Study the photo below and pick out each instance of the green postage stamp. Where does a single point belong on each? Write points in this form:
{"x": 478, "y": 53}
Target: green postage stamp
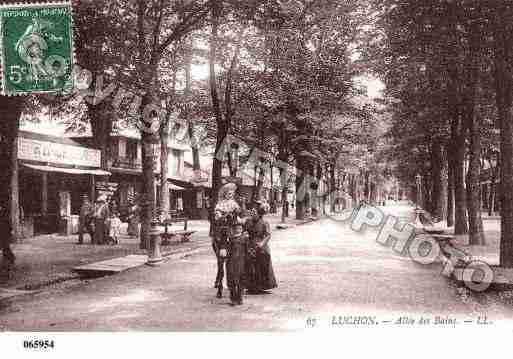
{"x": 36, "y": 48}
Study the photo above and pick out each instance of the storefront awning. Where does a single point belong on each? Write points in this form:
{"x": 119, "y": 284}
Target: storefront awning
{"x": 175, "y": 187}
{"x": 74, "y": 171}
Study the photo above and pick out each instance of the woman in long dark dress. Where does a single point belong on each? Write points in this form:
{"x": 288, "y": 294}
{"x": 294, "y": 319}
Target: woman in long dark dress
{"x": 259, "y": 270}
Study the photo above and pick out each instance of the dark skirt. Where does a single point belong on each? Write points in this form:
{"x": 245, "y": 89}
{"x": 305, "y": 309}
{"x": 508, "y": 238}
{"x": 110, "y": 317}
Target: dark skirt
{"x": 99, "y": 231}
{"x": 235, "y": 265}
{"x": 133, "y": 227}
{"x": 260, "y": 273}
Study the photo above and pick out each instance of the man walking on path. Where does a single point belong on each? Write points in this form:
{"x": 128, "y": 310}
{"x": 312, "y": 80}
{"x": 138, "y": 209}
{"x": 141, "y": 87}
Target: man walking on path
{"x": 101, "y": 214}
{"x": 85, "y": 219}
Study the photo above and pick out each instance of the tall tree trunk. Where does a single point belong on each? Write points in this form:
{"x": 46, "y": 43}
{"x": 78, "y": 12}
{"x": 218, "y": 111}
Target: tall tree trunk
{"x": 302, "y": 163}
{"x": 285, "y": 206}
{"x": 450, "y": 189}
{"x": 148, "y": 204}
{"x": 260, "y": 176}
{"x": 315, "y": 190}
{"x": 441, "y": 210}
{"x": 366, "y": 188}
{"x": 272, "y": 196}
{"x": 457, "y": 125}
{"x": 493, "y": 188}
{"x": 460, "y": 203}
{"x": 147, "y": 64}
{"x": 222, "y": 125}
{"x": 473, "y": 118}
{"x": 437, "y": 161}
{"x": 333, "y": 190}
{"x": 194, "y": 140}
{"x": 284, "y": 174}
{"x": 260, "y": 166}
{"x": 164, "y": 133}
{"x": 10, "y": 112}
{"x": 502, "y": 52}
{"x": 426, "y": 193}
{"x": 223, "y": 122}
{"x": 101, "y": 128}
{"x": 164, "y": 204}
{"x": 476, "y": 234}
{"x": 149, "y": 139}
{"x": 352, "y": 188}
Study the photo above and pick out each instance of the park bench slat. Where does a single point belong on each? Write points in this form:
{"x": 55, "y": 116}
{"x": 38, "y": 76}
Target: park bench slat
{"x": 167, "y": 236}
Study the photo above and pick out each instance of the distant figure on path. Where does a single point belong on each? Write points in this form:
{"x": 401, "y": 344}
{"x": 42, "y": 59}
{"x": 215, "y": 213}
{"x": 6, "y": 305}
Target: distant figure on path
{"x": 85, "y": 219}
{"x": 133, "y": 219}
{"x": 114, "y": 227}
{"x": 101, "y": 214}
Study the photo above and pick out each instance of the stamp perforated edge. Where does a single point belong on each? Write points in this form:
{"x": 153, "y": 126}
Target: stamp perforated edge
{"x": 36, "y": 4}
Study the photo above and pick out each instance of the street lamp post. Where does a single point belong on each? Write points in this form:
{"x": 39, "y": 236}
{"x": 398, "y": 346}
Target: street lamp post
{"x": 154, "y": 253}
{"x": 152, "y": 150}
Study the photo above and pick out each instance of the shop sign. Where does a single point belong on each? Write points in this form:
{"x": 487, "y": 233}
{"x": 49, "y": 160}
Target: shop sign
{"x": 229, "y": 179}
{"x": 128, "y": 163}
{"x": 106, "y": 188}
{"x": 51, "y": 152}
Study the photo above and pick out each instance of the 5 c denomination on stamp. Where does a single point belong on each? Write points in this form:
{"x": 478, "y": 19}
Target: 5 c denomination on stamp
{"x": 36, "y": 48}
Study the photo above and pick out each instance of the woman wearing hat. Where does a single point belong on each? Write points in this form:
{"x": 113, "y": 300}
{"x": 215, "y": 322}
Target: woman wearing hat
{"x": 133, "y": 219}
{"x": 229, "y": 243}
{"x": 101, "y": 214}
{"x": 259, "y": 271}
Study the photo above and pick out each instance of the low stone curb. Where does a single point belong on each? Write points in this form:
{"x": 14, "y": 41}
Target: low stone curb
{"x": 282, "y": 226}
{"x": 168, "y": 255}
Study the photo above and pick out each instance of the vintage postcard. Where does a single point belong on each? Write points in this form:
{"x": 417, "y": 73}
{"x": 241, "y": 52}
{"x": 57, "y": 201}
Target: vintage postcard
{"x": 286, "y": 177}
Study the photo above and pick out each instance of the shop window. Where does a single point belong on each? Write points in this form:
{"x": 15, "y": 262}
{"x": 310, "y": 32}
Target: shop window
{"x": 176, "y": 162}
{"x": 131, "y": 149}
{"x": 122, "y": 152}
{"x": 139, "y": 151}
{"x": 113, "y": 148}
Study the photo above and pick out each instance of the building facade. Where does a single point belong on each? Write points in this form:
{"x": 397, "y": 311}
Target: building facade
{"x": 124, "y": 163}
{"x": 54, "y": 172}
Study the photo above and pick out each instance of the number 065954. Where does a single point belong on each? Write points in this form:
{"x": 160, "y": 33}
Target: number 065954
{"x": 38, "y": 344}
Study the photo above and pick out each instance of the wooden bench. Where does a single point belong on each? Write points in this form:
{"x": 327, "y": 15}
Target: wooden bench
{"x": 434, "y": 230}
{"x": 456, "y": 255}
{"x": 183, "y": 235}
{"x": 168, "y": 235}
{"x": 170, "y": 221}
{"x": 443, "y": 238}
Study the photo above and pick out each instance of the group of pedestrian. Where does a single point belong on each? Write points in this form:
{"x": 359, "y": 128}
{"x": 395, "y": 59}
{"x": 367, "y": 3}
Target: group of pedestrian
{"x": 242, "y": 241}
{"x": 101, "y": 220}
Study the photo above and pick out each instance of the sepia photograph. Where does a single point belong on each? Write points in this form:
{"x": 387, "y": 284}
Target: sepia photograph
{"x": 170, "y": 168}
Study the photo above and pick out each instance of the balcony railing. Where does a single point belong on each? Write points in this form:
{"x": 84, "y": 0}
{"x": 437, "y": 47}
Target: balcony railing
{"x": 136, "y": 164}
{"x": 126, "y": 162}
